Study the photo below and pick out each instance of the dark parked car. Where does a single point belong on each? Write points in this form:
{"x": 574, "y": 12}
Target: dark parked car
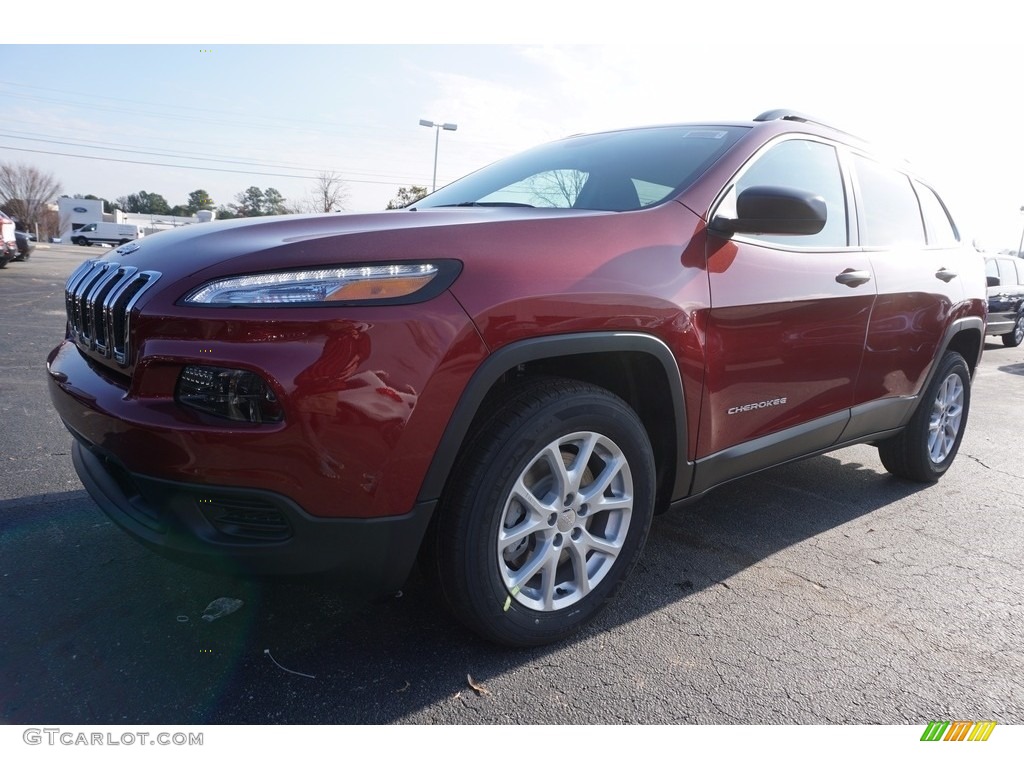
{"x": 509, "y": 378}
{"x": 1005, "y": 276}
{"x": 26, "y": 243}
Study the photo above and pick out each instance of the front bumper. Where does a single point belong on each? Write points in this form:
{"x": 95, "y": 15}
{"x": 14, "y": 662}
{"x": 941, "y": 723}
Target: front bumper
{"x": 251, "y": 531}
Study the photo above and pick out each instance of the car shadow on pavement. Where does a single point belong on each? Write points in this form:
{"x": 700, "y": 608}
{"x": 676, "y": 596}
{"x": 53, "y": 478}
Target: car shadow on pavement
{"x": 102, "y": 631}
{"x": 1015, "y": 368}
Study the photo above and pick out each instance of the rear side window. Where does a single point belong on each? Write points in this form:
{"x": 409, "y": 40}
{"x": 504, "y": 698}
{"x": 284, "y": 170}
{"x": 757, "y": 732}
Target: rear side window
{"x": 890, "y": 214}
{"x": 808, "y": 166}
{"x": 1008, "y": 272}
{"x": 940, "y": 230}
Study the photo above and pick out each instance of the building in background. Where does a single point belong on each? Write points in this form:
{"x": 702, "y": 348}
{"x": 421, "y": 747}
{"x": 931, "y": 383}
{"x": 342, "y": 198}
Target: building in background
{"x": 76, "y": 212}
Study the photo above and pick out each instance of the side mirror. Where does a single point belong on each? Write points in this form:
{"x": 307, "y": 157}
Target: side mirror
{"x": 775, "y": 211}
{"x": 993, "y": 281}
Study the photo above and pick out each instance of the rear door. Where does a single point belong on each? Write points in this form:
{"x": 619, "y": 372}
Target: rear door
{"x": 918, "y": 264}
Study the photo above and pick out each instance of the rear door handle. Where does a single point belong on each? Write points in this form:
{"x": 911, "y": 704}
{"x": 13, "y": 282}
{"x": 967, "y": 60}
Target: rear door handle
{"x": 945, "y": 275}
{"x": 853, "y": 277}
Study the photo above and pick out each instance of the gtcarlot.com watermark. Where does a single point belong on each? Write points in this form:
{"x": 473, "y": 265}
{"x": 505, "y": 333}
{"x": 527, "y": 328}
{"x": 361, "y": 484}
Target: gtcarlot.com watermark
{"x": 59, "y": 736}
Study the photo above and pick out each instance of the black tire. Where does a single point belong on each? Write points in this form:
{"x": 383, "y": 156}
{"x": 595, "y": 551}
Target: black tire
{"x": 122, "y": 242}
{"x": 925, "y": 449}
{"x": 1016, "y": 336}
{"x": 79, "y": 241}
{"x": 534, "y": 424}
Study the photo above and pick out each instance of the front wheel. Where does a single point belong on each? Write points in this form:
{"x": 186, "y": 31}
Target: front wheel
{"x": 79, "y": 241}
{"x": 1016, "y": 336}
{"x": 546, "y": 513}
{"x": 925, "y": 449}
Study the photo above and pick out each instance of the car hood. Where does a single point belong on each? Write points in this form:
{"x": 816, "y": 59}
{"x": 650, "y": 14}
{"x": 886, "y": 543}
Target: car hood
{"x": 215, "y": 249}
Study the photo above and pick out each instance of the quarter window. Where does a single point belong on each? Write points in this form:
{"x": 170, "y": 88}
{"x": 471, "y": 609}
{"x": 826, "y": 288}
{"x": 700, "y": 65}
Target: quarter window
{"x": 940, "y": 229}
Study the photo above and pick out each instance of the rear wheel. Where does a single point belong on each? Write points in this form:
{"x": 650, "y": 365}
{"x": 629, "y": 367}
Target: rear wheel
{"x": 925, "y": 449}
{"x": 1016, "y": 336}
{"x": 545, "y": 515}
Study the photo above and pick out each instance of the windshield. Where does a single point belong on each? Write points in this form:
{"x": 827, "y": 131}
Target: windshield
{"x": 618, "y": 171}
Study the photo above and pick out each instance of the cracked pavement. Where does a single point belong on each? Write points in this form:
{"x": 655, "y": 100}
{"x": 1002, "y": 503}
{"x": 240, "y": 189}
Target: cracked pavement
{"x": 820, "y": 592}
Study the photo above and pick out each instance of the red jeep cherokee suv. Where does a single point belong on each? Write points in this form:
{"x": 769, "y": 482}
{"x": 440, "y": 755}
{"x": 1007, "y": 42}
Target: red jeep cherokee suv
{"x": 508, "y": 379}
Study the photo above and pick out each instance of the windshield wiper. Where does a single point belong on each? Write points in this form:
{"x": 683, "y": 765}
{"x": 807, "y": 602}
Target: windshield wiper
{"x": 487, "y": 204}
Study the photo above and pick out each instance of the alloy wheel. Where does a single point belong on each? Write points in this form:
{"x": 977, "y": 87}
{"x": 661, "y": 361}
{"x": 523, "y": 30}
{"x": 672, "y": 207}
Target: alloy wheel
{"x": 565, "y": 521}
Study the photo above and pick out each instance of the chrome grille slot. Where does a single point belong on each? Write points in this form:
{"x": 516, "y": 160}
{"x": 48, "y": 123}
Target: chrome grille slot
{"x": 69, "y": 288}
{"x": 77, "y": 315}
{"x": 99, "y": 297}
{"x": 117, "y": 311}
{"x": 100, "y": 318}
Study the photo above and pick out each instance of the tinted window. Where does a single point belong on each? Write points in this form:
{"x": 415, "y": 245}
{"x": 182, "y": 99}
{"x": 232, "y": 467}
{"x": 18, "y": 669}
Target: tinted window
{"x": 808, "y": 166}
{"x": 940, "y": 229}
{"x": 618, "y": 171}
{"x": 557, "y": 188}
{"x": 890, "y": 214}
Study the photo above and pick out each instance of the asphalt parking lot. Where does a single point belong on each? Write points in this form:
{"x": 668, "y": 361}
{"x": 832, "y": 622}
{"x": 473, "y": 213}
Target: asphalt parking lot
{"x": 820, "y": 592}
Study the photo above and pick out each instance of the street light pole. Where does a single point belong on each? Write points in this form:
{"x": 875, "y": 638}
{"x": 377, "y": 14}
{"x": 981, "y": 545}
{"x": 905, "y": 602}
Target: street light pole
{"x": 1021, "y": 245}
{"x": 437, "y": 134}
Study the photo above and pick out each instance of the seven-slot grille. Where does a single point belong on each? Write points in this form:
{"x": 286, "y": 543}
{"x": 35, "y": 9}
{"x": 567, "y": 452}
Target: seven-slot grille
{"x": 99, "y": 298}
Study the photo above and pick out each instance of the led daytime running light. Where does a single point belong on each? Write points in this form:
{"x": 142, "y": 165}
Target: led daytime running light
{"x": 317, "y": 285}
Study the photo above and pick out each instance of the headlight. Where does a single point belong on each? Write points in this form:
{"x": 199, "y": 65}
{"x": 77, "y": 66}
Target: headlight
{"x": 372, "y": 284}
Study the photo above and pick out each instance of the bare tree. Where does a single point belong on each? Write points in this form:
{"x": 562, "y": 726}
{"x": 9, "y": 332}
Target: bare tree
{"x": 26, "y": 191}
{"x": 330, "y": 193}
{"x": 558, "y": 189}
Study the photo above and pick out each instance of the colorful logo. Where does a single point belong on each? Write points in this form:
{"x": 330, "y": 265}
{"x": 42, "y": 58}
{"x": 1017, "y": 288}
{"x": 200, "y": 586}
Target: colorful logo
{"x": 958, "y": 730}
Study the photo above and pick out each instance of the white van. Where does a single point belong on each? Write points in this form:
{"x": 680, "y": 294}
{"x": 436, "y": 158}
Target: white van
{"x": 106, "y": 233}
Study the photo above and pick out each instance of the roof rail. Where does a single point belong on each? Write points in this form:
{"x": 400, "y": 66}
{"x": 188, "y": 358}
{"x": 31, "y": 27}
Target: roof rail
{"x": 796, "y": 116}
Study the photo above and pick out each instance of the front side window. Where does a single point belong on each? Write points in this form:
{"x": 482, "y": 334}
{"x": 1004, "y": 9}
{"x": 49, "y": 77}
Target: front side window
{"x": 890, "y": 214}
{"x": 991, "y": 269}
{"x": 807, "y": 166}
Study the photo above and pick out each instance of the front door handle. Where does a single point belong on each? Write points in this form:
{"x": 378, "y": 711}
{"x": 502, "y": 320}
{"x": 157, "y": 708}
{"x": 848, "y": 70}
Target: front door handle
{"x": 945, "y": 275}
{"x": 853, "y": 277}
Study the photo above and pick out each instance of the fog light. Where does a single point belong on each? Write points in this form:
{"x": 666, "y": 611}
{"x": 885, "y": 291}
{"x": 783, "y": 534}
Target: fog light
{"x": 228, "y": 392}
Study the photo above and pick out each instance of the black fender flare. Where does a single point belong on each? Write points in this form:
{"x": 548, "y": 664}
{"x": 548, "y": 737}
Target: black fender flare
{"x": 547, "y": 347}
{"x": 972, "y": 323}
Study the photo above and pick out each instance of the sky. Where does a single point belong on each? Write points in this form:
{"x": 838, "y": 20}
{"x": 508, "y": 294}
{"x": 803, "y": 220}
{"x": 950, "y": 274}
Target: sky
{"x": 174, "y": 99}
{"x": 254, "y": 105}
